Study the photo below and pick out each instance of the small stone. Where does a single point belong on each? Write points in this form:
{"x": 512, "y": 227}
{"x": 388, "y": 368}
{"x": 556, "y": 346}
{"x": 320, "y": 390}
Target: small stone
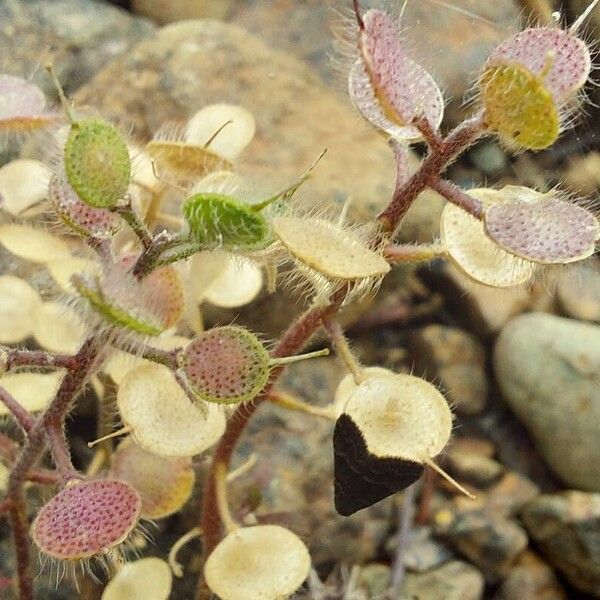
{"x": 491, "y": 543}
{"x": 472, "y": 467}
{"x": 548, "y": 369}
{"x": 481, "y": 309}
{"x": 489, "y": 158}
{"x": 456, "y": 580}
{"x": 531, "y": 579}
{"x": 578, "y": 291}
{"x": 509, "y": 494}
{"x": 456, "y": 360}
{"x": 423, "y": 552}
{"x": 566, "y": 527}
{"x": 375, "y": 579}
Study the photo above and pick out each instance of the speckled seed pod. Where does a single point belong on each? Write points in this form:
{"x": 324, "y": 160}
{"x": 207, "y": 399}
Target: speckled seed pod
{"x": 226, "y": 365}
{"x": 86, "y": 519}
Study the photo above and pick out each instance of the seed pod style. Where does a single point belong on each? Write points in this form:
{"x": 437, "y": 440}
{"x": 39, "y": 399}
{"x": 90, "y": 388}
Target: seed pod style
{"x": 96, "y": 162}
{"x": 86, "y": 519}
{"x": 264, "y": 562}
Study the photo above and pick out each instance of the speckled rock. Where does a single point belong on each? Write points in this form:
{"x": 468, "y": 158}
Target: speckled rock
{"x": 455, "y": 360}
{"x": 79, "y": 36}
{"x": 294, "y": 473}
{"x": 566, "y": 527}
{"x": 472, "y": 467}
{"x": 491, "y": 543}
{"x": 578, "y": 291}
{"x": 531, "y": 579}
{"x": 549, "y": 371}
{"x": 455, "y": 580}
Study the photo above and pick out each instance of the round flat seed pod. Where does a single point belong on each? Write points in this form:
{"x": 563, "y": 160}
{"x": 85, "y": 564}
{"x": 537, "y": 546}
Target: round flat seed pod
{"x": 162, "y": 418}
{"x": 401, "y": 416}
{"x": 58, "y": 328}
{"x": 474, "y": 252}
{"x": 556, "y": 55}
{"x": 164, "y": 483}
{"x": 23, "y": 183}
{"x": 219, "y": 182}
{"x": 205, "y": 268}
{"x": 147, "y": 578}
{"x": 238, "y": 284}
{"x": 389, "y": 428}
{"x": 265, "y": 562}
{"x": 222, "y": 221}
{"x": 328, "y": 249}
{"x": 63, "y": 269}
{"x": 182, "y": 161}
{"x": 232, "y": 139}
{"x": 364, "y": 99}
{"x": 86, "y": 519}
{"x": 33, "y": 391}
{"x": 347, "y": 385}
{"x": 32, "y": 244}
{"x": 97, "y": 162}
{"x": 519, "y": 107}
{"x": 21, "y": 105}
{"x": 549, "y": 230}
{"x": 226, "y": 365}
{"x": 78, "y": 216}
{"x": 18, "y": 302}
{"x": 403, "y": 88}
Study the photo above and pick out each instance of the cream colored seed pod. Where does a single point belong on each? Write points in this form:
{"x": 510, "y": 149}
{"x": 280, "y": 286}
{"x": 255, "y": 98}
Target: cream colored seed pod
{"x": 474, "y": 252}
{"x": 347, "y": 386}
{"x": 328, "y": 248}
{"x": 63, "y": 269}
{"x": 32, "y": 244}
{"x": 265, "y": 562}
{"x": 232, "y": 139}
{"x": 18, "y": 302}
{"x": 23, "y": 183}
{"x": 58, "y": 328}
{"x": 160, "y": 416}
{"x": 224, "y": 279}
{"x": 33, "y": 391}
{"x": 147, "y": 578}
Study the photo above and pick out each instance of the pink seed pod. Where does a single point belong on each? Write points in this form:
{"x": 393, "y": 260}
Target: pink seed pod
{"x": 226, "y": 365}
{"x": 22, "y": 106}
{"x": 556, "y": 55}
{"x": 403, "y": 89}
{"x": 543, "y": 228}
{"x": 86, "y": 519}
{"x": 78, "y": 216}
{"x": 164, "y": 483}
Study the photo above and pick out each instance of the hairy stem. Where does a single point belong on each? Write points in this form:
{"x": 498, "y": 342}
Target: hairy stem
{"x": 22, "y": 416}
{"x": 454, "y": 194}
{"x": 52, "y": 419}
{"x": 432, "y": 166}
{"x": 15, "y": 358}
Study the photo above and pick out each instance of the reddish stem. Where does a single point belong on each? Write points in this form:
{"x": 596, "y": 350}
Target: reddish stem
{"x": 23, "y": 417}
{"x": 16, "y": 358}
{"x": 435, "y": 163}
{"x": 454, "y": 194}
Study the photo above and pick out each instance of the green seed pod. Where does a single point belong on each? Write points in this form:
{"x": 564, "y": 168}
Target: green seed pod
{"x": 97, "y": 162}
{"x": 219, "y": 220}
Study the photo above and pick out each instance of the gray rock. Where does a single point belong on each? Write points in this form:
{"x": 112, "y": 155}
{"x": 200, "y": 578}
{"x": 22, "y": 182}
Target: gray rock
{"x": 531, "y": 579}
{"x": 549, "y": 371}
{"x": 566, "y": 528}
{"x": 455, "y": 580}
{"x": 456, "y": 360}
{"x": 578, "y": 291}
{"x": 79, "y": 36}
{"x": 491, "y": 543}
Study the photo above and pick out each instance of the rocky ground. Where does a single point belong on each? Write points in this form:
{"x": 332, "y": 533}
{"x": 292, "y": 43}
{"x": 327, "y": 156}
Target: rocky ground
{"x": 521, "y": 368}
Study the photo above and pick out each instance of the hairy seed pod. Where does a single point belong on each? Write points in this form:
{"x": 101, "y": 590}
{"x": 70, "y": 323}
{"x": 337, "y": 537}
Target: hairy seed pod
{"x": 97, "y": 162}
